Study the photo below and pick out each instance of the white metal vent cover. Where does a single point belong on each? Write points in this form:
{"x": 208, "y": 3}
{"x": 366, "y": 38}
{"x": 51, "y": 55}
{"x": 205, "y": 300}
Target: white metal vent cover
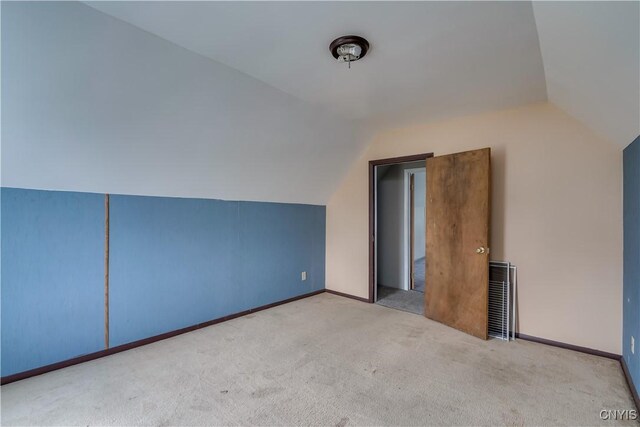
{"x": 502, "y": 298}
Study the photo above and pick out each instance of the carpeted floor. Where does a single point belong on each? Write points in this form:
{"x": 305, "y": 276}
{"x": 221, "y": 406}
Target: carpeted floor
{"x": 399, "y": 299}
{"x": 325, "y": 360}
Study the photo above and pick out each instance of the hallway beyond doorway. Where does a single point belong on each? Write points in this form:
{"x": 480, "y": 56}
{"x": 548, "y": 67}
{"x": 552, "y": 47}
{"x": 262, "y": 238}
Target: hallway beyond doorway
{"x": 409, "y": 301}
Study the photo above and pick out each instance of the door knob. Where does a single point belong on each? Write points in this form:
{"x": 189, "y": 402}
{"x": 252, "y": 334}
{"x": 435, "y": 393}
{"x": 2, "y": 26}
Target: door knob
{"x": 480, "y": 250}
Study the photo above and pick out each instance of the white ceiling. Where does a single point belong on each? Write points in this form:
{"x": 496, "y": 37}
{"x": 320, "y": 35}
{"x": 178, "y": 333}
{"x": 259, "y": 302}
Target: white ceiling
{"x": 591, "y": 54}
{"x": 427, "y": 59}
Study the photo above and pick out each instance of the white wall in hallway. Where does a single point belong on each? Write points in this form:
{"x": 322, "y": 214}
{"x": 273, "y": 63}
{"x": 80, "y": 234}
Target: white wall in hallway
{"x": 390, "y": 227}
{"x": 419, "y": 205}
{"x": 393, "y": 256}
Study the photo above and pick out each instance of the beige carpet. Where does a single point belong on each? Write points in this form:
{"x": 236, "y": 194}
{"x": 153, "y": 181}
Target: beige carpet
{"x": 325, "y": 360}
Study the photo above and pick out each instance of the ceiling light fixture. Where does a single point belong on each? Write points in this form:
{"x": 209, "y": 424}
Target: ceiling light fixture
{"x": 349, "y": 48}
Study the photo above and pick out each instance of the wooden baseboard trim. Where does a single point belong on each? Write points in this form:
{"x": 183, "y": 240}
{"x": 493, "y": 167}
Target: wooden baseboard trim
{"x": 586, "y": 350}
{"x": 613, "y": 356}
{"x": 113, "y": 350}
{"x": 342, "y": 294}
{"x": 632, "y": 387}
{"x": 124, "y": 347}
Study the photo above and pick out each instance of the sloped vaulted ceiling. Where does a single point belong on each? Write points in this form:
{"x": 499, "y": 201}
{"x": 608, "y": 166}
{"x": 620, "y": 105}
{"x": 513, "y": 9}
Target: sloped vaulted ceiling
{"x": 428, "y": 59}
{"x": 253, "y": 84}
{"x": 591, "y": 56}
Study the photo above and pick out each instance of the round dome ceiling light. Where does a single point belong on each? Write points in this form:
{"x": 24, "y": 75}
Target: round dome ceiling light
{"x": 349, "y": 48}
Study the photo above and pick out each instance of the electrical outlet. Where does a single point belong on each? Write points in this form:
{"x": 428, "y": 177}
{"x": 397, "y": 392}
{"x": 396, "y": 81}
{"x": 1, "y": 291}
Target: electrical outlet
{"x": 633, "y": 345}
{"x": 303, "y": 276}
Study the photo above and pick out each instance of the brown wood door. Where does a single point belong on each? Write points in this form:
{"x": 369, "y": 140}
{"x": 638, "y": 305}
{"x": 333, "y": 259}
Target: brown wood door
{"x": 457, "y": 252}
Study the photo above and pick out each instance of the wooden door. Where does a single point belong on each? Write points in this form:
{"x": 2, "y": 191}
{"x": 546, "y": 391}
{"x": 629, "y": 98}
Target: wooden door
{"x": 457, "y": 248}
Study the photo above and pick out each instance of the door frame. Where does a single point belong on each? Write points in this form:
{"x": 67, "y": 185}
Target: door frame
{"x": 372, "y": 209}
{"x": 409, "y": 225}
{"x": 412, "y": 230}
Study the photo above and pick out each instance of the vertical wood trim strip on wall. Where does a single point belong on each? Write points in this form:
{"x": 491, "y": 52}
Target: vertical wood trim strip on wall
{"x": 106, "y": 271}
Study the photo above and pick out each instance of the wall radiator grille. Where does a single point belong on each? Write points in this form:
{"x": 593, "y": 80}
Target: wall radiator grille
{"x": 502, "y": 298}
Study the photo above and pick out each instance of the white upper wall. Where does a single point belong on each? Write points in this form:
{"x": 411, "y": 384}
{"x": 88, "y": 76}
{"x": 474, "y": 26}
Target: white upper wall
{"x": 591, "y": 56}
{"x": 94, "y": 104}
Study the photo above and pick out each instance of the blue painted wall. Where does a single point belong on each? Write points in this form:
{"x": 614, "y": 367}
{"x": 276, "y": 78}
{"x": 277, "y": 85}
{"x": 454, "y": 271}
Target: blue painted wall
{"x": 52, "y": 277}
{"x": 173, "y": 263}
{"x": 631, "y": 302}
{"x": 178, "y": 262}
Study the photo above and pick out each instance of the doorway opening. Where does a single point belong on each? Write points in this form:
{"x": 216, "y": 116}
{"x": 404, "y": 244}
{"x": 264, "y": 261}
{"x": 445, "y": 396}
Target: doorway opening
{"x": 397, "y": 208}
{"x": 458, "y": 201}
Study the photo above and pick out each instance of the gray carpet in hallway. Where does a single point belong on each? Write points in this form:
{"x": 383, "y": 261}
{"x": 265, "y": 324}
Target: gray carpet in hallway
{"x": 410, "y": 301}
{"x": 325, "y": 360}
